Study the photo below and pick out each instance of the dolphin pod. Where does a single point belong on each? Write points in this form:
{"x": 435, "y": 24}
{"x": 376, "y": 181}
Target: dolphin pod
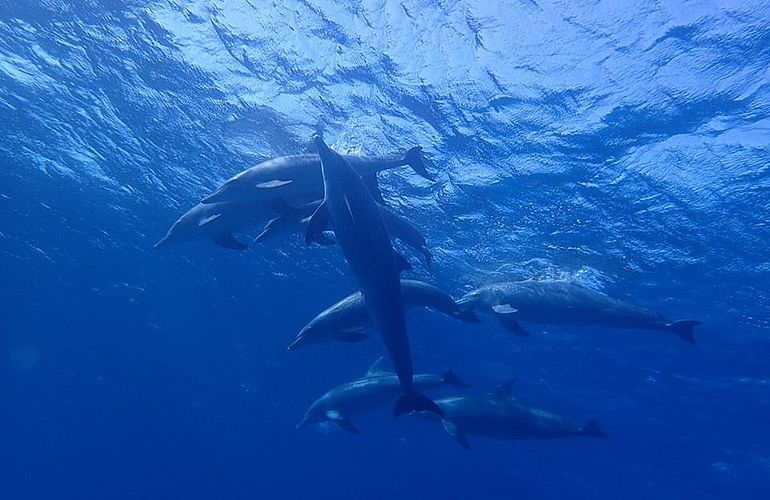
{"x": 350, "y": 210}
{"x": 348, "y": 319}
{"x": 499, "y": 415}
{"x": 376, "y": 389}
{"x": 327, "y": 193}
{"x": 560, "y": 303}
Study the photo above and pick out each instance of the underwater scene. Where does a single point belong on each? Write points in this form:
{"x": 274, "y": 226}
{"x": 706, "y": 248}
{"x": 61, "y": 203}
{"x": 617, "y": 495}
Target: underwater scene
{"x": 384, "y": 249}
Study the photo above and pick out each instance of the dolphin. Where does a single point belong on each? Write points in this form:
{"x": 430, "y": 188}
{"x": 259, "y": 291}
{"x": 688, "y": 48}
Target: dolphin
{"x": 499, "y": 415}
{"x": 298, "y": 177}
{"x": 349, "y": 208}
{"x": 377, "y": 388}
{"x": 561, "y": 303}
{"x": 397, "y": 226}
{"x": 216, "y": 222}
{"x": 347, "y": 320}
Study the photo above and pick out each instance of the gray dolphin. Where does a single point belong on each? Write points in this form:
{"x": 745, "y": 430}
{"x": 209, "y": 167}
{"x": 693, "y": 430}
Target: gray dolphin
{"x": 397, "y": 226}
{"x": 498, "y": 415}
{"x": 298, "y": 177}
{"x": 377, "y": 388}
{"x": 350, "y": 210}
{"x": 561, "y": 303}
{"x": 216, "y": 222}
{"x": 347, "y": 320}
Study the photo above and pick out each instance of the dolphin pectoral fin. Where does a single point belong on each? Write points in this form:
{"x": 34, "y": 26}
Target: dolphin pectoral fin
{"x": 456, "y": 433}
{"x": 210, "y": 218}
{"x": 414, "y": 159}
{"x": 510, "y": 324}
{"x": 376, "y": 369}
{"x": 401, "y": 263}
{"x": 267, "y": 230}
{"x": 684, "y": 328}
{"x": 317, "y": 223}
{"x": 370, "y": 181}
{"x": 343, "y": 422}
{"x": 276, "y": 183}
{"x": 228, "y": 241}
{"x": 504, "y": 309}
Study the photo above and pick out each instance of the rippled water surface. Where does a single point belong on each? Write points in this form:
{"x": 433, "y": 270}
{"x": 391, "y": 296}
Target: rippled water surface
{"x": 621, "y": 145}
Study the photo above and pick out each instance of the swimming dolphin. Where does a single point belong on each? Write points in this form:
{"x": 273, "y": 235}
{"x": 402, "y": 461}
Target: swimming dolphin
{"x": 347, "y": 320}
{"x": 377, "y": 388}
{"x": 350, "y": 210}
{"x": 498, "y": 415}
{"x": 216, "y": 222}
{"x": 298, "y": 177}
{"x": 397, "y": 226}
{"x": 561, "y": 303}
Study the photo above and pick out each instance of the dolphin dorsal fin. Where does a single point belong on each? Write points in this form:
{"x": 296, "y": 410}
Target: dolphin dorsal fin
{"x": 504, "y": 390}
{"x": 376, "y": 369}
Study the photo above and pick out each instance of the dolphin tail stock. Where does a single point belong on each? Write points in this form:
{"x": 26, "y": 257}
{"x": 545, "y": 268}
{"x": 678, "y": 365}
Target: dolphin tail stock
{"x": 592, "y": 429}
{"x": 684, "y": 328}
{"x": 414, "y": 159}
{"x": 451, "y": 378}
{"x": 412, "y": 401}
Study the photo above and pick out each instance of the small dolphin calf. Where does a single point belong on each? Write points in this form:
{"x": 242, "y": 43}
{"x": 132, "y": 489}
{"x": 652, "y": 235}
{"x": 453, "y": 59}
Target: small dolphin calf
{"x": 350, "y": 210}
{"x": 298, "y": 177}
{"x": 560, "y": 303}
{"x": 397, "y": 226}
{"x": 498, "y": 415}
{"x": 216, "y": 222}
{"x": 376, "y": 389}
{"x": 347, "y": 320}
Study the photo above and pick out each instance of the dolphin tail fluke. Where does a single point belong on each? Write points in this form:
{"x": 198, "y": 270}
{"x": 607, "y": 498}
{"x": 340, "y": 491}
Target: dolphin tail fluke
{"x": 592, "y": 429}
{"x": 414, "y": 159}
{"x": 451, "y": 378}
{"x": 413, "y": 401}
{"x": 684, "y": 328}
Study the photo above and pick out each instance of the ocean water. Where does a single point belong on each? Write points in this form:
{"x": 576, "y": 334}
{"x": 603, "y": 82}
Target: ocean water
{"x": 622, "y": 145}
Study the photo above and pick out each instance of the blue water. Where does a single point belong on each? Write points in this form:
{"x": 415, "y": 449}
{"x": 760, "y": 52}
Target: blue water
{"x": 622, "y": 145}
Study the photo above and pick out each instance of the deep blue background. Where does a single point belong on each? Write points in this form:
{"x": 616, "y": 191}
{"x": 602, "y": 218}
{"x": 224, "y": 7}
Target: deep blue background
{"x": 619, "y": 144}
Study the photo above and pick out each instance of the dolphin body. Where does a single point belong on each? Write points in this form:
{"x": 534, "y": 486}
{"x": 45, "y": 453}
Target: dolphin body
{"x": 217, "y": 222}
{"x": 376, "y": 389}
{"x": 350, "y": 210}
{"x": 561, "y": 303}
{"x": 298, "y": 177}
{"x": 397, "y": 226}
{"x": 498, "y": 415}
{"x": 347, "y": 320}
